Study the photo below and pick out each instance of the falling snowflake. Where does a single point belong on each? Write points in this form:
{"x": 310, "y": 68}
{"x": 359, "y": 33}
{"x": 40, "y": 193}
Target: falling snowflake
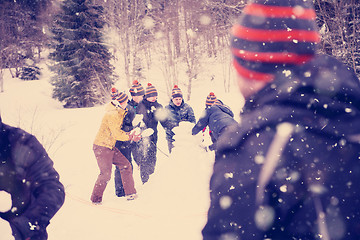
{"x": 225, "y": 202}
{"x": 264, "y": 217}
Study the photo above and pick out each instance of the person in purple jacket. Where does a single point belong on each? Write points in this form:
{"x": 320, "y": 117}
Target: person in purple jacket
{"x": 291, "y": 169}
{"x": 28, "y": 175}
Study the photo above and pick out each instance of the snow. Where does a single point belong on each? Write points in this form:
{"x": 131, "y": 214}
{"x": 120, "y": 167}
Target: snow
{"x": 172, "y": 205}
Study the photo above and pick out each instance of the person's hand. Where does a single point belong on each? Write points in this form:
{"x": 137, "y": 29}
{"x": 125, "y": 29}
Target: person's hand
{"x": 30, "y": 230}
{"x": 136, "y": 138}
{"x": 135, "y": 135}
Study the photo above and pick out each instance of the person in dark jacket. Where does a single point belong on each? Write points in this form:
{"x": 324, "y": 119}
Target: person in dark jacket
{"x": 218, "y": 117}
{"x": 176, "y": 111}
{"x": 28, "y": 175}
{"x": 137, "y": 93}
{"x": 151, "y": 112}
{"x": 292, "y": 169}
{"x": 128, "y": 148}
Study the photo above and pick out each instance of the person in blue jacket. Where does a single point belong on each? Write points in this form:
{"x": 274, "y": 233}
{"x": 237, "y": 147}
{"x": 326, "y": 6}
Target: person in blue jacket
{"x": 176, "y": 111}
{"x": 218, "y": 117}
{"x": 28, "y": 175}
{"x": 291, "y": 170}
{"x": 128, "y": 148}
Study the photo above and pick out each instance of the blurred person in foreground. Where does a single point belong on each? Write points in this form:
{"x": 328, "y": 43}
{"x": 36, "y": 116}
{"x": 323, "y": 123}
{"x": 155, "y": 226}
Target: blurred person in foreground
{"x": 291, "y": 170}
{"x": 32, "y": 184}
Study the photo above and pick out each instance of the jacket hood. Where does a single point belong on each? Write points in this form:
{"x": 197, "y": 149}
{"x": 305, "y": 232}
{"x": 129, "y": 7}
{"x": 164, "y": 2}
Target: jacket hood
{"x": 322, "y": 96}
{"x": 226, "y": 109}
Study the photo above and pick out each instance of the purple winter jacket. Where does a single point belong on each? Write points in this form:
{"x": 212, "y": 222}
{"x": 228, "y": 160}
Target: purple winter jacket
{"x": 27, "y": 174}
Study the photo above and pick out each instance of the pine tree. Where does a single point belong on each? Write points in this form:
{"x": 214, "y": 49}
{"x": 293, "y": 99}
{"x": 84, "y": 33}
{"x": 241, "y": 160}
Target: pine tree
{"x": 83, "y": 73}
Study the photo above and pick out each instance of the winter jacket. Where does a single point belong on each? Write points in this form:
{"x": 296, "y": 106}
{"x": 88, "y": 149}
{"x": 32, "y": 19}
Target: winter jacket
{"x": 151, "y": 113}
{"x": 27, "y": 174}
{"x": 110, "y": 128}
{"x": 175, "y": 115}
{"x": 133, "y": 104}
{"x": 128, "y": 119}
{"x": 268, "y": 184}
{"x": 217, "y": 117}
{"x": 127, "y": 126}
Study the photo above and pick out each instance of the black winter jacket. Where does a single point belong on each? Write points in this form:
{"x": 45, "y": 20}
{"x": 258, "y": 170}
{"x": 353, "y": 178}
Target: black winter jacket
{"x": 175, "y": 115}
{"x": 132, "y": 104}
{"x": 150, "y": 112}
{"x": 217, "y": 117}
{"x": 128, "y": 119}
{"x": 27, "y": 174}
{"x": 306, "y": 185}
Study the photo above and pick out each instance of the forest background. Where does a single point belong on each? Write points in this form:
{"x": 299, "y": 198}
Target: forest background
{"x": 92, "y": 45}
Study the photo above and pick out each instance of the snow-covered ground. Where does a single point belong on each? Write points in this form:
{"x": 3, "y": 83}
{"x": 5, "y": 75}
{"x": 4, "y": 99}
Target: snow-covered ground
{"x": 172, "y": 205}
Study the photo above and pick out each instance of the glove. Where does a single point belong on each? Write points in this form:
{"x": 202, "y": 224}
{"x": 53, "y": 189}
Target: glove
{"x": 30, "y": 230}
{"x": 136, "y": 138}
{"x": 134, "y": 135}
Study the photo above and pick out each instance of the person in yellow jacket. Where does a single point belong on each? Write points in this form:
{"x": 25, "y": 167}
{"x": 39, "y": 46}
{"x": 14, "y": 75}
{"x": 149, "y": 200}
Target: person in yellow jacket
{"x": 107, "y": 154}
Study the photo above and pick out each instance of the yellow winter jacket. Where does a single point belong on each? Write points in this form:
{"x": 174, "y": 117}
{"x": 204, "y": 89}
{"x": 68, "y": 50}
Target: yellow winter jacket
{"x": 110, "y": 128}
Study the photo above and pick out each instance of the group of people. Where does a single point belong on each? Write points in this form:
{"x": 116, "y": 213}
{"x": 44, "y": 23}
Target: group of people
{"x": 120, "y": 137}
{"x": 289, "y": 170}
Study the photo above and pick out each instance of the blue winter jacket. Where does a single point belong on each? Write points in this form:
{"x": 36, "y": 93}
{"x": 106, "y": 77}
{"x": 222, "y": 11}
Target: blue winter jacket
{"x": 27, "y": 174}
{"x": 218, "y": 118}
{"x": 175, "y": 115}
{"x": 303, "y": 184}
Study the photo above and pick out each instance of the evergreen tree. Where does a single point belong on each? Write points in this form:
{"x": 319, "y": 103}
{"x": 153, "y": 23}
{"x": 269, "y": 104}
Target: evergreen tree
{"x": 84, "y": 74}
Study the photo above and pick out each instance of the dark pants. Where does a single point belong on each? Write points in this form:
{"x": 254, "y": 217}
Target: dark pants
{"x": 147, "y": 150}
{"x": 125, "y": 148}
{"x": 170, "y": 144}
{"x": 106, "y": 158}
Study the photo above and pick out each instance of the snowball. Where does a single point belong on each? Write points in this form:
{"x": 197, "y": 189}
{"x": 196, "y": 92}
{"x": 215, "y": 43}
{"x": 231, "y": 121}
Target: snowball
{"x": 147, "y": 132}
{"x": 137, "y": 119}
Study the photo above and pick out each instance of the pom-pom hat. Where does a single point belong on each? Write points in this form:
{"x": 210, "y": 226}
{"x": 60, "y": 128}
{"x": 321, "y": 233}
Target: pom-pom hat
{"x": 114, "y": 93}
{"x": 122, "y": 97}
{"x": 137, "y": 89}
{"x": 150, "y": 91}
{"x": 210, "y": 99}
{"x": 176, "y": 92}
{"x": 273, "y": 34}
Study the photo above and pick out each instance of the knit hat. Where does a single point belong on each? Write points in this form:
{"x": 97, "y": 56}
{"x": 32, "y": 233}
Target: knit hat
{"x": 176, "y": 92}
{"x": 122, "y": 97}
{"x": 210, "y": 99}
{"x": 150, "y": 91}
{"x": 218, "y": 102}
{"x": 272, "y": 34}
{"x": 114, "y": 93}
{"x": 137, "y": 89}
